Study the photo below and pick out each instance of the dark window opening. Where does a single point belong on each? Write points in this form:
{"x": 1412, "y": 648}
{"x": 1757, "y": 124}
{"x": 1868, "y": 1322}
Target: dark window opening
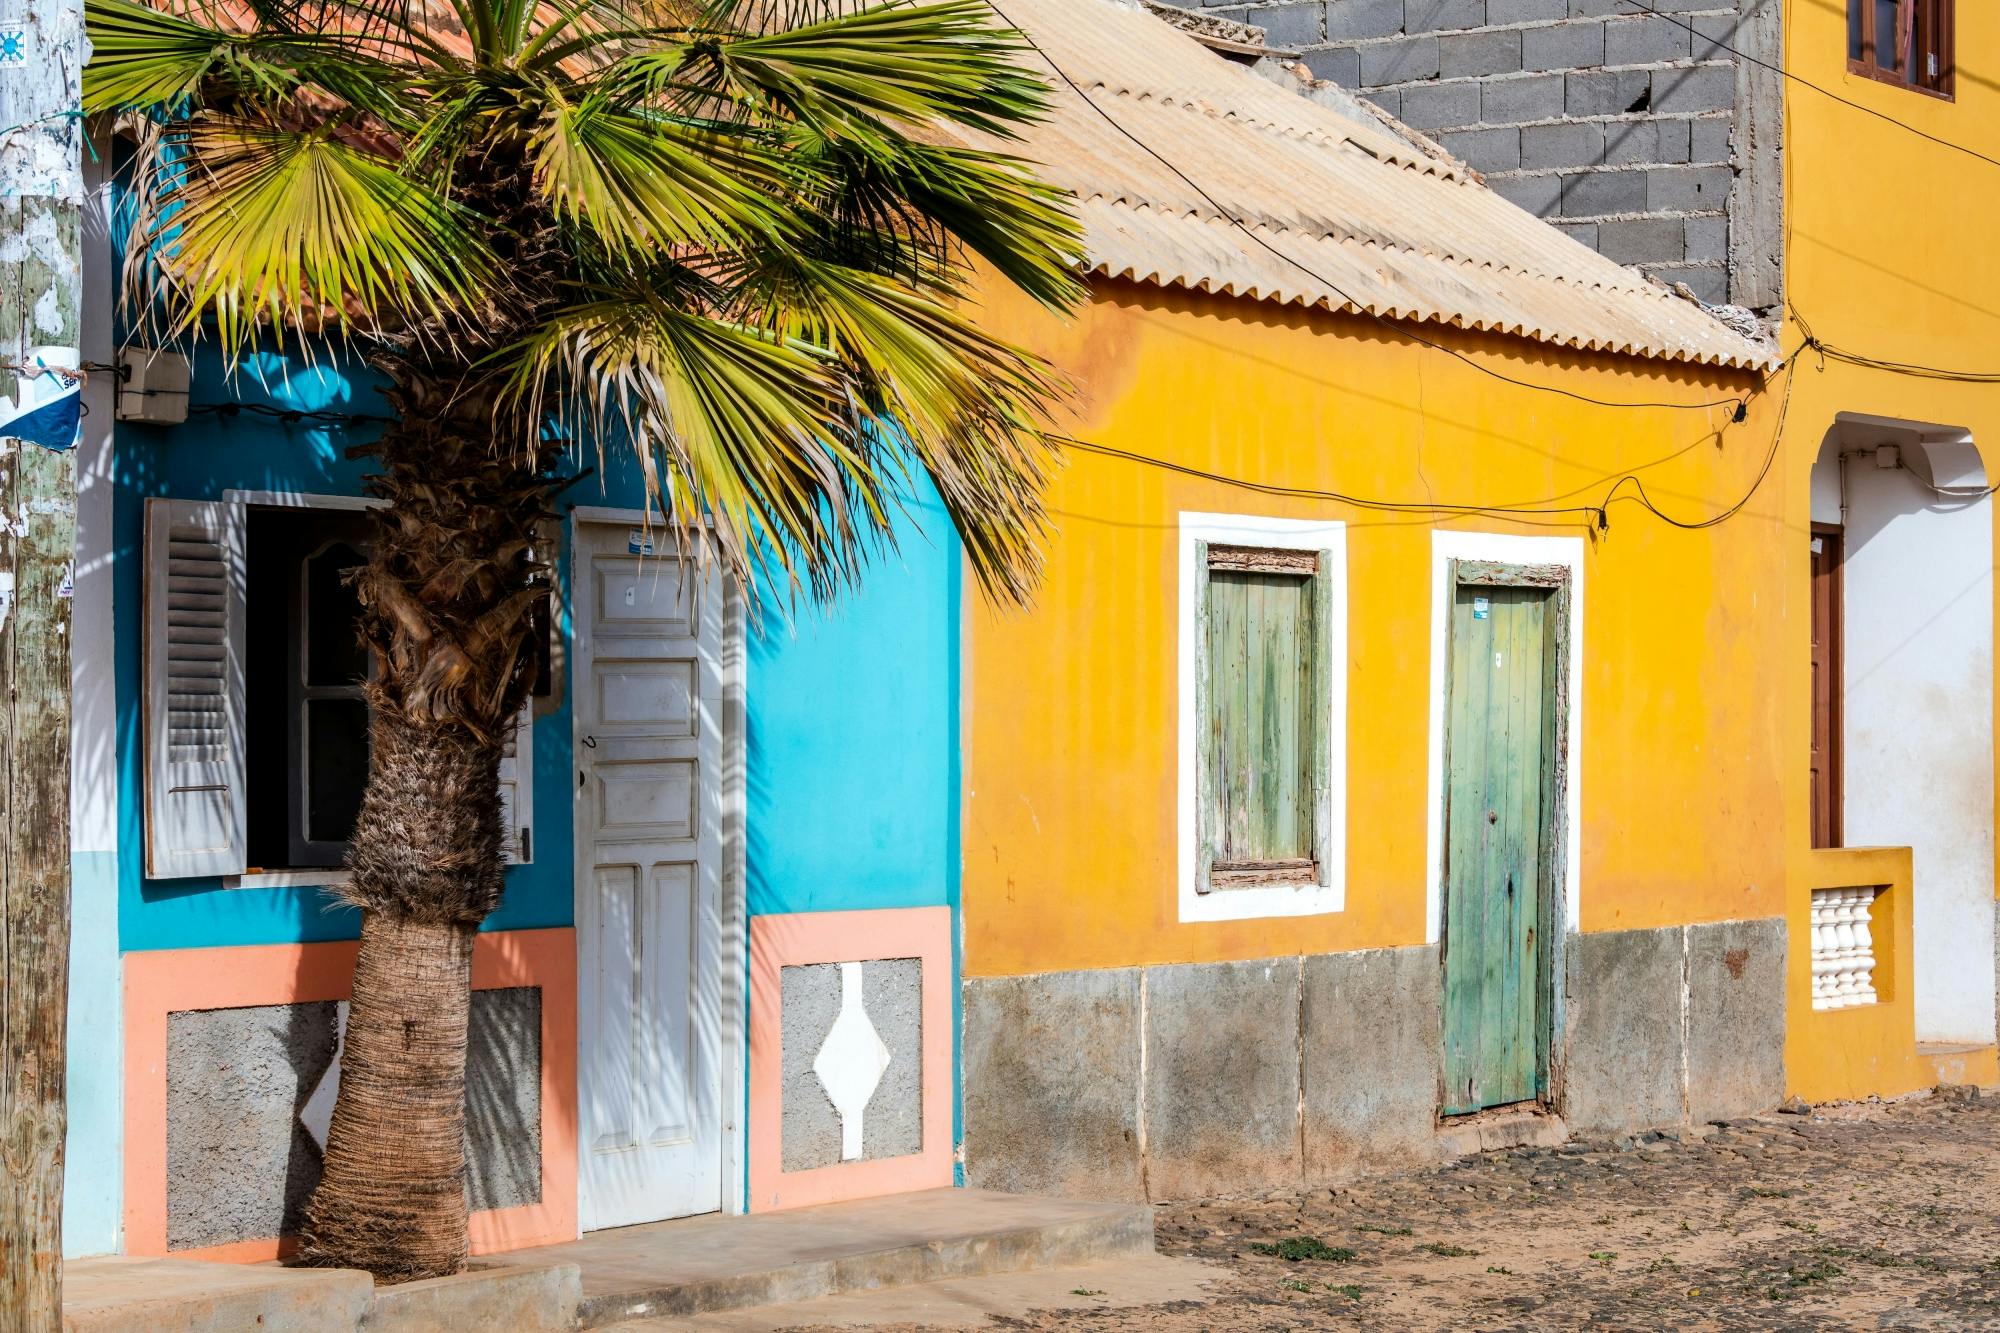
{"x": 1906, "y": 42}
{"x": 306, "y": 747}
{"x": 1827, "y": 685}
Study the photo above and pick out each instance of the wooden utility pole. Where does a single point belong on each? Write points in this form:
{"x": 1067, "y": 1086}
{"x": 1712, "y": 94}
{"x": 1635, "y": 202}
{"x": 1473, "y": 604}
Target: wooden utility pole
{"x": 42, "y": 50}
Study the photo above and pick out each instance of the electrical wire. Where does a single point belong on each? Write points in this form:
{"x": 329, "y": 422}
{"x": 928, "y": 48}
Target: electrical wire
{"x": 1740, "y": 404}
{"x": 1822, "y": 90}
{"x": 1598, "y": 513}
{"x": 291, "y": 416}
{"x": 1912, "y": 369}
{"x": 1716, "y": 520}
{"x": 1595, "y": 512}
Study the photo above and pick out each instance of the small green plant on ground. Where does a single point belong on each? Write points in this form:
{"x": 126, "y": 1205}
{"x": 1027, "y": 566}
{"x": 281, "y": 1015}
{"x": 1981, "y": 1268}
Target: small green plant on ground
{"x": 1496, "y": 1268}
{"x": 1084, "y": 1291}
{"x": 1296, "y": 1284}
{"x": 1604, "y": 1256}
{"x": 1381, "y": 1229}
{"x": 1349, "y": 1290}
{"x": 1298, "y": 1248}
{"x": 1445, "y": 1251}
{"x": 1796, "y": 1278}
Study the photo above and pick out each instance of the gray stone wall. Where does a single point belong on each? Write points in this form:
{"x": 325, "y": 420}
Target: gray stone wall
{"x": 241, "y": 1165}
{"x": 1684, "y": 1024}
{"x": 809, "y": 1003}
{"x": 1195, "y": 1079}
{"x": 1628, "y": 131}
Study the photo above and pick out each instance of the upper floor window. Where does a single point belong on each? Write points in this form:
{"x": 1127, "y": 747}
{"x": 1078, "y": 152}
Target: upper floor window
{"x": 1906, "y": 42}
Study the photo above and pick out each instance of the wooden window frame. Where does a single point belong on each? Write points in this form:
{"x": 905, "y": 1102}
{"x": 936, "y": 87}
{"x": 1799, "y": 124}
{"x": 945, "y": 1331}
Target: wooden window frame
{"x": 1940, "y": 16}
{"x": 1310, "y": 566}
{"x": 1289, "y": 543}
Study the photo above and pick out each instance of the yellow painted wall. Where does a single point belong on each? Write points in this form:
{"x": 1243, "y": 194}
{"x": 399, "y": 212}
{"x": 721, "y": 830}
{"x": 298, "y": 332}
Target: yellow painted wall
{"x": 1891, "y": 253}
{"x": 1070, "y": 706}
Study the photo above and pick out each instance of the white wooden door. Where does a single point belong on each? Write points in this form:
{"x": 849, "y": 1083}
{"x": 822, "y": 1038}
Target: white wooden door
{"x": 648, "y": 721}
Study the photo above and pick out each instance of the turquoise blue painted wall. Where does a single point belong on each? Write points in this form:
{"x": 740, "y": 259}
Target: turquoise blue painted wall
{"x": 93, "y": 1163}
{"x": 851, "y": 709}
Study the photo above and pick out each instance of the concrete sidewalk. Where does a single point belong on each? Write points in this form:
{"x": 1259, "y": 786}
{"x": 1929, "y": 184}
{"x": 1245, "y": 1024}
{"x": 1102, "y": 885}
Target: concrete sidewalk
{"x": 682, "y": 1268}
{"x": 703, "y": 1264}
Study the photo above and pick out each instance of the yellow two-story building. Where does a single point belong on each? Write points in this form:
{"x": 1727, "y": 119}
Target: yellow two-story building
{"x": 1892, "y": 287}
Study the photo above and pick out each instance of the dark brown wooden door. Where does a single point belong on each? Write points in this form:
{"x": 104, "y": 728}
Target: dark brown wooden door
{"x": 1826, "y": 684}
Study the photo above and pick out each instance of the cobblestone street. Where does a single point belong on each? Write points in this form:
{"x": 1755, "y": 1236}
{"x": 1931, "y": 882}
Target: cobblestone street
{"x": 1860, "y": 1216}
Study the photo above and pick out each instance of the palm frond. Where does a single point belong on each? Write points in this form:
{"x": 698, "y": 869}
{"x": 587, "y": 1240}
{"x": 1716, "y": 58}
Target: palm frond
{"x": 995, "y": 206}
{"x": 970, "y": 408}
{"x": 260, "y": 225}
{"x": 644, "y": 181}
{"x": 893, "y": 62}
{"x": 747, "y": 442}
{"x": 143, "y": 59}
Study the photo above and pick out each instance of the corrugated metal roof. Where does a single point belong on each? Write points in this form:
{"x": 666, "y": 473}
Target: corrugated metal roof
{"x": 1373, "y": 224}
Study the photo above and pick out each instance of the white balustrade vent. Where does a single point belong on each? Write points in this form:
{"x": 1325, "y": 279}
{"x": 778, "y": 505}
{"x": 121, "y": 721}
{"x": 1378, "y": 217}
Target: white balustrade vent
{"x": 1843, "y": 948}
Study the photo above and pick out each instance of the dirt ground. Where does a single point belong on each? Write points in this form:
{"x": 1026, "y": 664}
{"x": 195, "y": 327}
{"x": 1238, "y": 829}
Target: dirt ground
{"x": 1877, "y": 1216}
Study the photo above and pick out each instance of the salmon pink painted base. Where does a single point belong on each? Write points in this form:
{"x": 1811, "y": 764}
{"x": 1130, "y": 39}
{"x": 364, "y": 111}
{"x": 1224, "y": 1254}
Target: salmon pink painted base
{"x": 803, "y": 938}
{"x": 161, "y": 982}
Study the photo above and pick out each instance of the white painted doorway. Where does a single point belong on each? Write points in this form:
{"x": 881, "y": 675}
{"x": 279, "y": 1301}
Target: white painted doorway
{"x": 649, "y": 721}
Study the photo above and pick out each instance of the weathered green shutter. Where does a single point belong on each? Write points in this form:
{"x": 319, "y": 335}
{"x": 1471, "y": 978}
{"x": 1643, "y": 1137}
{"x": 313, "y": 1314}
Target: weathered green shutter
{"x": 1262, "y": 625}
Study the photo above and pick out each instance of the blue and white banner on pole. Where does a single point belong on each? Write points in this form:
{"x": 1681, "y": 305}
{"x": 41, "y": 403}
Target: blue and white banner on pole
{"x": 50, "y": 410}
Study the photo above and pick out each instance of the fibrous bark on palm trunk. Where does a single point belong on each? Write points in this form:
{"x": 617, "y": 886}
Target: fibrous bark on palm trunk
{"x": 392, "y": 1195}
{"x": 447, "y": 600}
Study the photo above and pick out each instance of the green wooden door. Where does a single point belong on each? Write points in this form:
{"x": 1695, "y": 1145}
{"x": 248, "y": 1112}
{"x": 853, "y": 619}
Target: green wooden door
{"x": 1501, "y": 736}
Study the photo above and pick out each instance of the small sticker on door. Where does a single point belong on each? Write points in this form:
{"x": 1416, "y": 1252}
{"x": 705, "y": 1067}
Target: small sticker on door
{"x": 638, "y": 543}
{"x": 1482, "y": 609}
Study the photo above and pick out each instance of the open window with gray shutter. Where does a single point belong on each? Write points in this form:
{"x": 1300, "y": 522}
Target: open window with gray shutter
{"x": 194, "y": 722}
{"x": 257, "y": 744}
{"x": 1261, "y": 701}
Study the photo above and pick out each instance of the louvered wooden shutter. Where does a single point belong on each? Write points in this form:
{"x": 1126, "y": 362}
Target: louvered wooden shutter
{"x": 517, "y": 790}
{"x": 195, "y": 819}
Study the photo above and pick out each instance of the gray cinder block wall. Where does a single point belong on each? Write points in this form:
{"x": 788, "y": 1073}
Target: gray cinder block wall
{"x": 1640, "y": 135}
{"x": 1187, "y": 1080}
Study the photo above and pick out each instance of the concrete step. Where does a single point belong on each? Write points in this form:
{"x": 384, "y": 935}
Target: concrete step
{"x": 704, "y": 1264}
{"x": 123, "y": 1295}
{"x": 1501, "y": 1128}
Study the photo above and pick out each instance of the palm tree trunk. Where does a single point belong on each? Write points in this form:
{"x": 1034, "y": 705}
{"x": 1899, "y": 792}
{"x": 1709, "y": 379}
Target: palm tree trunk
{"x": 392, "y": 1195}
{"x": 447, "y": 596}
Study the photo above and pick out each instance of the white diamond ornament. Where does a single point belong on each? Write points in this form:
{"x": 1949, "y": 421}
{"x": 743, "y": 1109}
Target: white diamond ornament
{"x": 851, "y": 1061}
{"x": 317, "y": 1114}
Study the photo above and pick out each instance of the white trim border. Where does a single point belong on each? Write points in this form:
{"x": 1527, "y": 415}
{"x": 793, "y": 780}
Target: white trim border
{"x": 1503, "y": 549}
{"x": 1330, "y": 894}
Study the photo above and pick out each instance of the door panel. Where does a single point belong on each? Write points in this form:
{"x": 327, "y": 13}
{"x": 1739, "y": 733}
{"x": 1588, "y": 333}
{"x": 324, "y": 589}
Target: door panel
{"x": 648, "y": 727}
{"x": 1501, "y": 720}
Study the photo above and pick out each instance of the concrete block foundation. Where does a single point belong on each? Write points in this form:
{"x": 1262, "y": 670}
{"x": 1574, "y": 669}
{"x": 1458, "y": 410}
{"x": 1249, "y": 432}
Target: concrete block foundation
{"x": 1624, "y": 1031}
{"x": 1371, "y": 1052}
{"x": 1051, "y": 1080}
{"x": 1288, "y": 1072}
{"x": 1222, "y": 1078}
{"x": 1736, "y": 1053}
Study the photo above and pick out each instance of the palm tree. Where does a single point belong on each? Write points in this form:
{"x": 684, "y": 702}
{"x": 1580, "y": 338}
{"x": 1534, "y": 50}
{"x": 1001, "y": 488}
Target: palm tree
{"x": 712, "y": 233}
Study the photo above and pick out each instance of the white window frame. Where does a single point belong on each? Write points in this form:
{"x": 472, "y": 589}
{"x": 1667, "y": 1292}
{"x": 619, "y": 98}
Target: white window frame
{"x": 1504, "y": 548}
{"x": 1274, "y": 900}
